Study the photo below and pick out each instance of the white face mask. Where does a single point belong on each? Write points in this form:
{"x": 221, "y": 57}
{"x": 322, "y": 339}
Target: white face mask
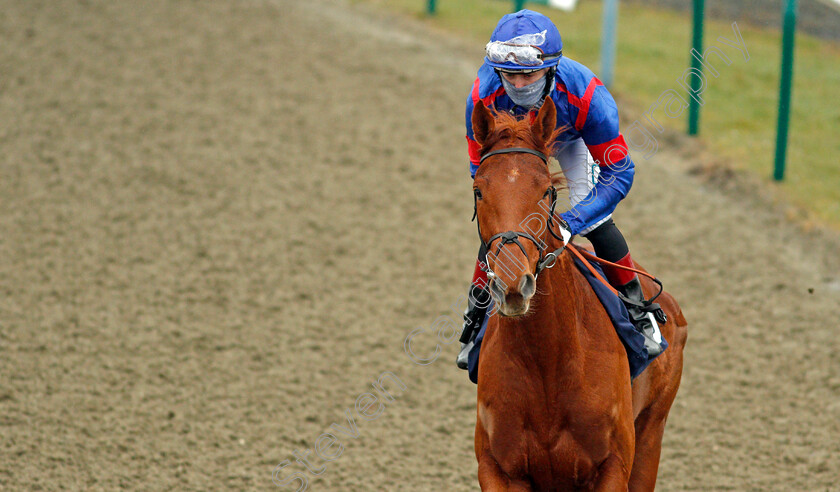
{"x": 528, "y": 96}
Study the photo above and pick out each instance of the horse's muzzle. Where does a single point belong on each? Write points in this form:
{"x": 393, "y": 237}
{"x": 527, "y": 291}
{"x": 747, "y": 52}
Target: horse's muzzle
{"x": 513, "y": 301}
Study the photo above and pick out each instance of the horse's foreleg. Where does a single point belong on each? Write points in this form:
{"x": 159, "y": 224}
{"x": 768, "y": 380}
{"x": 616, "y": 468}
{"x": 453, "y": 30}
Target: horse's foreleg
{"x": 612, "y": 475}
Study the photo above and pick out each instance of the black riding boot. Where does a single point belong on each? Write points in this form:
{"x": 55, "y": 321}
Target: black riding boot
{"x": 644, "y": 321}
{"x": 478, "y": 300}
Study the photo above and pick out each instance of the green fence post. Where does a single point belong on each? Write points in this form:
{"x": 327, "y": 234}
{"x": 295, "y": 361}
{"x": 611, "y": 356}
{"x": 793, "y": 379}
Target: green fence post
{"x": 785, "y": 90}
{"x": 518, "y": 5}
{"x": 430, "y": 9}
{"x": 697, "y": 44}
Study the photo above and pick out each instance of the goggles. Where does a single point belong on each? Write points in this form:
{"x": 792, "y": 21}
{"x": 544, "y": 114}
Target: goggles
{"x": 521, "y": 50}
{"x": 518, "y": 72}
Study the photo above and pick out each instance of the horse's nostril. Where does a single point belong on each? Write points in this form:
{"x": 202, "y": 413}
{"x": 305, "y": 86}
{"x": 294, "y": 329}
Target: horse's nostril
{"x": 498, "y": 287}
{"x": 527, "y": 285}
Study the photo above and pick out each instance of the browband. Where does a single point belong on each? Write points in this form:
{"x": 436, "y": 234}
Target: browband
{"x": 515, "y": 150}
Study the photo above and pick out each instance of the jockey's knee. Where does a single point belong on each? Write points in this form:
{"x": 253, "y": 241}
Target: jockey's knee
{"x": 608, "y": 241}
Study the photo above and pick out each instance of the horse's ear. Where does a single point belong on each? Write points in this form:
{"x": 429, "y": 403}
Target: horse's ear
{"x": 482, "y": 122}
{"x": 546, "y": 121}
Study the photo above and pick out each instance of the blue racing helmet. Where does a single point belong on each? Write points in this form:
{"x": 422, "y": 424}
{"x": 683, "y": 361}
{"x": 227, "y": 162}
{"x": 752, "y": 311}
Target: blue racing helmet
{"x": 524, "y": 40}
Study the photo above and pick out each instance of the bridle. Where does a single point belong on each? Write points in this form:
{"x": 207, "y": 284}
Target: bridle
{"x": 546, "y": 260}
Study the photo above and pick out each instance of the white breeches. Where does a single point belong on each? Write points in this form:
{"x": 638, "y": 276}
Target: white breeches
{"x": 581, "y": 173}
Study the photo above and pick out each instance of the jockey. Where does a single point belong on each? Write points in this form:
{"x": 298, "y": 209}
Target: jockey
{"x": 524, "y": 68}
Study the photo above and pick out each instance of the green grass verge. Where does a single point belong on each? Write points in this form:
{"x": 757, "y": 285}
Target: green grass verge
{"x": 738, "y": 119}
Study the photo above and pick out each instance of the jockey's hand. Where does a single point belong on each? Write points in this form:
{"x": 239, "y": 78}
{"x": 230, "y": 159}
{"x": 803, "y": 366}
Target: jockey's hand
{"x": 565, "y": 231}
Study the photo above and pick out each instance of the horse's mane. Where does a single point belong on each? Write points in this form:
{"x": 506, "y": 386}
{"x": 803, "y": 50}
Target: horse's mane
{"x": 508, "y": 126}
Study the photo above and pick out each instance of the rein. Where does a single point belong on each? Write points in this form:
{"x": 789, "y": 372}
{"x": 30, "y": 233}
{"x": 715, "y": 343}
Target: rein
{"x": 584, "y": 256}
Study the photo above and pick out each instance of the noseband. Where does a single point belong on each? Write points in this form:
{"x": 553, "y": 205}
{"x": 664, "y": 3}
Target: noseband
{"x": 512, "y": 237}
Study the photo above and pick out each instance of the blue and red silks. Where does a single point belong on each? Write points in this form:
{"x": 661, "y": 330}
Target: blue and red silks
{"x": 585, "y": 110}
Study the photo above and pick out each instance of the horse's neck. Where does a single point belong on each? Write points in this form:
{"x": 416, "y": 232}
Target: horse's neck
{"x": 553, "y": 328}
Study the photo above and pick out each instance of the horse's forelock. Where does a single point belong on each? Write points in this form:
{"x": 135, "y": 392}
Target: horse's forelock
{"x": 509, "y": 127}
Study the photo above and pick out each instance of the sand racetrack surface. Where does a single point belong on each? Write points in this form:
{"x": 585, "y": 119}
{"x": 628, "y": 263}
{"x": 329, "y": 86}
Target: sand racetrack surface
{"x": 221, "y": 220}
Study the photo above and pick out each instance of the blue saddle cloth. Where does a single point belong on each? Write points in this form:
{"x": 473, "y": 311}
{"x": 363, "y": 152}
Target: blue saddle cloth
{"x": 633, "y": 341}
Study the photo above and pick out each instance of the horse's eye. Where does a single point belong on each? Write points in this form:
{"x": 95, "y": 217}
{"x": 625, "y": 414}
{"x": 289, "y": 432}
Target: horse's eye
{"x": 477, "y": 193}
{"x": 547, "y": 192}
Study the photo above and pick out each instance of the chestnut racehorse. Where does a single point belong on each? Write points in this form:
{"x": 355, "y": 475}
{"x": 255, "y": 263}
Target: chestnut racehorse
{"x": 556, "y": 407}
